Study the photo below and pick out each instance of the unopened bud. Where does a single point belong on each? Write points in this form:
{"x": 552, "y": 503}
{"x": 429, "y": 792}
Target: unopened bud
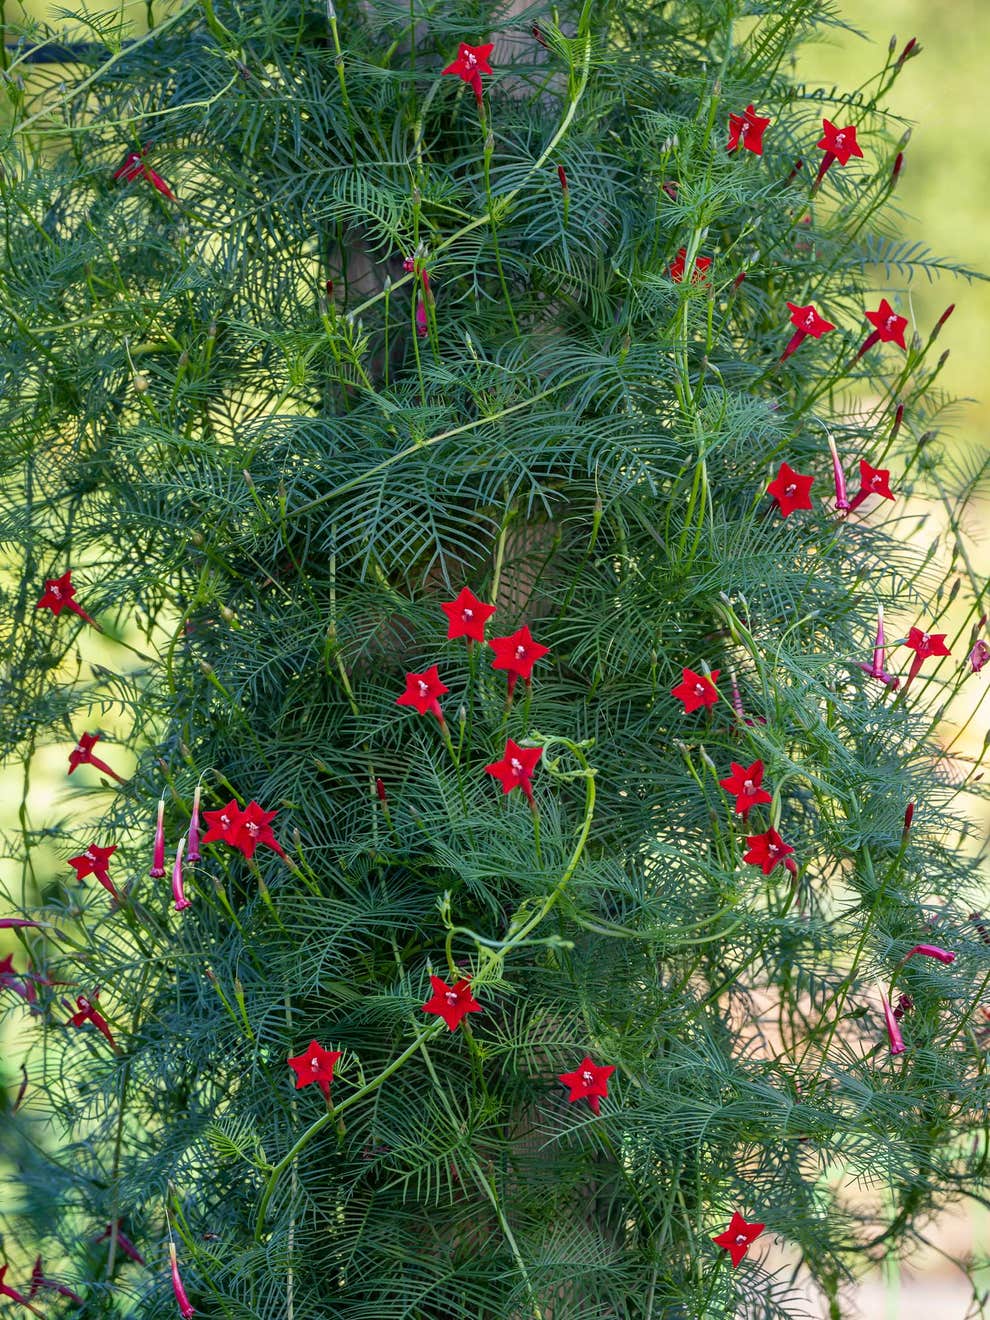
{"x": 329, "y": 288}
{"x": 562, "y": 176}
{"x": 898, "y": 166}
{"x": 943, "y": 359}
{"x": 537, "y": 35}
{"x": 898, "y": 418}
{"x": 198, "y": 538}
{"x": 248, "y": 478}
{"x": 944, "y": 317}
{"x": 954, "y": 591}
{"x": 892, "y": 44}
{"x": 912, "y": 48}
{"x": 380, "y": 789}
{"x": 206, "y": 667}
{"x": 915, "y": 342}
{"x": 739, "y": 279}
{"x": 908, "y": 818}
{"x": 140, "y": 383}
{"x": 228, "y": 613}
{"x": 183, "y": 358}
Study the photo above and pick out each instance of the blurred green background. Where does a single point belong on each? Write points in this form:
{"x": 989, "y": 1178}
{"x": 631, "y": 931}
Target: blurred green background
{"x": 944, "y": 95}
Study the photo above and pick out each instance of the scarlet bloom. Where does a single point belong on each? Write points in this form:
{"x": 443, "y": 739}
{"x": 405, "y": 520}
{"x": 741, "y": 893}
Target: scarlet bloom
{"x": 517, "y": 654}
{"x": 95, "y": 861}
{"x": 134, "y": 167}
{"x": 13, "y": 1294}
{"x": 872, "y": 481}
{"x": 316, "y": 1065}
{"x": 876, "y": 669}
{"x": 186, "y": 1308}
{"x": 467, "y": 616}
{"x": 124, "y": 1242}
{"x": 701, "y": 266}
{"x": 924, "y": 645}
{"x": 931, "y": 951}
{"x": 696, "y": 689}
{"x": 422, "y": 691}
{"x": 515, "y": 770}
{"x": 745, "y": 784}
{"x": 471, "y": 63}
{"x": 746, "y": 130}
{"x": 82, "y": 754}
{"x": 888, "y": 328}
{"x": 894, "y": 1036}
{"x": 839, "y": 144}
{"x": 738, "y": 1237}
{"x": 60, "y": 595}
{"x": 808, "y": 322}
{"x": 589, "y": 1081}
{"x": 791, "y": 490}
{"x": 243, "y": 830}
{"x": 766, "y": 850}
{"x": 88, "y": 1012}
{"x": 38, "y": 1281}
{"x": 451, "y": 1002}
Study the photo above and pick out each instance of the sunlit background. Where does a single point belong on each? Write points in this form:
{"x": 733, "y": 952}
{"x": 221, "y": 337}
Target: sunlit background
{"x": 944, "y": 95}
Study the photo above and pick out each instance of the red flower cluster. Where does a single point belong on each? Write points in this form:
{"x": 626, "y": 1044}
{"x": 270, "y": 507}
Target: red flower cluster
{"x": 243, "y": 830}
{"x": 134, "y": 167}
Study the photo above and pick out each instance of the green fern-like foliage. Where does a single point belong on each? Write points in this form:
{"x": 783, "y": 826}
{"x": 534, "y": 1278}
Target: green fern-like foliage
{"x": 301, "y": 336}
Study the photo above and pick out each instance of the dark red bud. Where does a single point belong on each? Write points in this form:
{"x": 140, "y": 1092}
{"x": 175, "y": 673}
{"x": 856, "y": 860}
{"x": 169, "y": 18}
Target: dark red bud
{"x": 945, "y": 316}
{"x": 670, "y": 188}
{"x": 912, "y": 48}
{"x": 898, "y": 166}
{"x": 562, "y": 177}
{"x": 329, "y": 287}
{"x": 898, "y": 418}
{"x": 380, "y": 789}
{"x": 908, "y": 818}
{"x": 538, "y": 36}
{"x": 739, "y": 279}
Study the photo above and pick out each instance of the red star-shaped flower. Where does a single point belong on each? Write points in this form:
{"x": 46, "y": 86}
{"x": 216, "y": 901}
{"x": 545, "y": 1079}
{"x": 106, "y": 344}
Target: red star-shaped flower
{"x": 471, "y": 63}
{"x": 96, "y": 861}
{"x": 888, "y": 327}
{"x": 134, "y": 167}
{"x": 517, "y": 654}
{"x": 839, "y": 143}
{"x": 422, "y": 691}
{"x": 872, "y": 481}
{"x": 791, "y": 490}
{"x": 255, "y": 828}
{"x": 38, "y": 1281}
{"x": 696, "y": 690}
{"x": 701, "y": 267}
{"x": 222, "y": 825}
{"x": 808, "y": 322}
{"x": 767, "y": 850}
{"x": 451, "y": 1002}
{"x": 745, "y": 783}
{"x": 82, "y": 754}
{"x": 738, "y": 1237}
{"x": 746, "y": 130}
{"x": 88, "y": 1012}
{"x": 589, "y": 1081}
{"x": 516, "y": 767}
{"x": 13, "y": 1294}
{"x": 924, "y": 645}
{"x": 467, "y": 616}
{"x": 316, "y": 1065}
{"x": 60, "y": 595}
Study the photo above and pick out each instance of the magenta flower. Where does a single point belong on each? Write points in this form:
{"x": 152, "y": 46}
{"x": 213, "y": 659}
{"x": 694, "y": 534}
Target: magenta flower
{"x": 178, "y": 893}
{"x": 931, "y": 951}
{"x": 135, "y": 168}
{"x": 9, "y": 980}
{"x": 38, "y": 1281}
{"x": 192, "y": 850}
{"x": 979, "y": 655}
{"x": 124, "y": 1242}
{"x": 876, "y": 669}
{"x": 894, "y": 1036}
{"x": 17, "y": 923}
{"x": 841, "y": 499}
{"x": 13, "y": 1294}
{"x": 186, "y": 1308}
{"x": 422, "y": 327}
{"x": 158, "y": 851}
{"x": 808, "y": 322}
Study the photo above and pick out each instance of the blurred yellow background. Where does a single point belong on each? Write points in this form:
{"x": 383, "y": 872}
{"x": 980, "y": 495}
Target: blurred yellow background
{"x": 945, "y": 189}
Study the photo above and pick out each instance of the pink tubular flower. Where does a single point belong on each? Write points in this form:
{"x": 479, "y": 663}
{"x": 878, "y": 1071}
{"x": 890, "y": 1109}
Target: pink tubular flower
{"x": 124, "y": 1242}
{"x": 979, "y": 655}
{"x": 872, "y": 481}
{"x": 192, "y": 850}
{"x": 38, "y": 1281}
{"x": 876, "y": 669}
{"x": 562, "y": 176}
{"x": 893, "y": 1030}
{"x": 134, "y": 167}
{"x": 158, "y": 851}
{"x": 746, "y": 130}
{"x": 82, "y": 754}
{"x": 13, "y": 1294}
{"x": 931, "y": 951}
{"x": 60, "y": 595}
{"x": 888, "y": 328}
{"x": 186, "y": 1308}
{"x": 17, "y": 923}
{"x": 422, "y": 325}
{"x": 839, "y": 144}
{"x": 924, "y": 645}
{"x": 422, "y": 691}
{"x": 9, "y": 980}
{"x": 471, "y": 63}
{"x": 842, "y": 504}
{"x": 808, "y": 322}
{"x": 178, "y": 893}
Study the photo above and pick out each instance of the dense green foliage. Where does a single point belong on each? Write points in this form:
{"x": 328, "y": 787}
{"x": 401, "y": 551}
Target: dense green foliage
{"x": 220, "y": 414}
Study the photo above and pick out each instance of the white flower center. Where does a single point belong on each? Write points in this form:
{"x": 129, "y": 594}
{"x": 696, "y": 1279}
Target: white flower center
{"x": 520, "y": 652}
{"x": 740, "y": 1239}
{"x": 748, "y": 786}
{"x": 587, "y": 1077}
{"x": 252, "y": 828}
{"x": 470, "y": 59}
{"x": 314, "y": 1063}
{"x": 517, "y": 765}
{"x": 89, "y": 855}
{"x": 55, "y": 592}
{"x": 451, "y": 997}
{"x": 699, "y": 689}
{"x": 789, "y": 490}
{"x": 840, "y": 139}
{"x": 467, "y": 614}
